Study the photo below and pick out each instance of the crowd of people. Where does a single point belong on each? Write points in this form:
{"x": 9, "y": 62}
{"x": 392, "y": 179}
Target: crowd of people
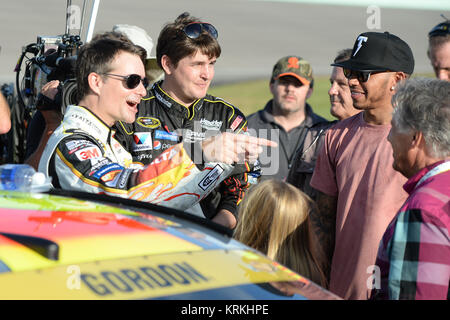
{"x": 360, "y": 205}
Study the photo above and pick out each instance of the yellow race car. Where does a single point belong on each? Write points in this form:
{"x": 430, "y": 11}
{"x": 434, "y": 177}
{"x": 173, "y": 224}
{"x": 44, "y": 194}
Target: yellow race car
{"x": 74, "y": 245}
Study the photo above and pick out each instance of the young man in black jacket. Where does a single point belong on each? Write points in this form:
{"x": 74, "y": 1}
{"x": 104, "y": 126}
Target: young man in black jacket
{"x": 179, "y": 108}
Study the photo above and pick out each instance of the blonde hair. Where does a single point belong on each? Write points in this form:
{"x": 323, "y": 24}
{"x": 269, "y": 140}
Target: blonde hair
{"x": 274, "y": 219}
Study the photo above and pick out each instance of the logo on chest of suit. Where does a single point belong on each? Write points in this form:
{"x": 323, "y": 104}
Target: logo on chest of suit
{"x": 193, "y": 136}
{"x": 163, "y": 135}
{"x": 142, "y": 141}
{"x": 148, "y": 122}
{"x": 157, "y": 145}
{"x": 210, "y": 125}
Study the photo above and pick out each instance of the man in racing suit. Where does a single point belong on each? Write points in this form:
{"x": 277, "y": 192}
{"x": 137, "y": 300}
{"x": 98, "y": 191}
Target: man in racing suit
{"x": 149, "y": 136}
{"x": 82, "y": 153}
{"x": 187, "y": 50}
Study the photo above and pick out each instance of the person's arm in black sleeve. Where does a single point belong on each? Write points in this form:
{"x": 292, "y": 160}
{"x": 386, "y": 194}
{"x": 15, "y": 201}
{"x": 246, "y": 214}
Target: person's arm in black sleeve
{"x": 50, "y": 111}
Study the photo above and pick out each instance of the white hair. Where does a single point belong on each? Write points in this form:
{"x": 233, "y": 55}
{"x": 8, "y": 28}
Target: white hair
{"x": 422, "y": 104}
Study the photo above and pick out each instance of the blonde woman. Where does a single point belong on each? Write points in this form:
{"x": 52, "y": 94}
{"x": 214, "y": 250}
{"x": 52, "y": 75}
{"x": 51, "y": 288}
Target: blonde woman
{"x": 274, "y": 219}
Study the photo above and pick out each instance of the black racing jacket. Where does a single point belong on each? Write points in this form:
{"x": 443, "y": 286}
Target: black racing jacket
{"x": 162, "y": 122}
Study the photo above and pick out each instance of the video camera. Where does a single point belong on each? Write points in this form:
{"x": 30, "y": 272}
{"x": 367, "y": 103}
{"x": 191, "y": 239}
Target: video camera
{"x": 49, "y": 58}
{"x": 54, "y": 59}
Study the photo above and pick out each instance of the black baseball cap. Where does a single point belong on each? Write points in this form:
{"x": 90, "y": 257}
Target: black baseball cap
{"x": 442, "y": 29}
{"x": 379, "y": 51}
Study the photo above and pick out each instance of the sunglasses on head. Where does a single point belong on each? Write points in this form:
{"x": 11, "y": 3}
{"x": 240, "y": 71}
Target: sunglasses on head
{"x": 194, "y": 29}
{"x": 131, "y": 81}
{"x": 362, "y": 76}
{"x": 441, "y": 29}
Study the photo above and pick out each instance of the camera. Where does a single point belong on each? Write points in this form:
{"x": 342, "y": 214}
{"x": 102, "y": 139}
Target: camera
{"x": 49, "y": 58}
{"x": 56, "y": 60}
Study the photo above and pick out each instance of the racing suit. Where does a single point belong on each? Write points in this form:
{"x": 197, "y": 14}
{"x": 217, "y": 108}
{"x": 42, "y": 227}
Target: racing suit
{"x": 83, "y": 155}
{"x": 161, "y": 122}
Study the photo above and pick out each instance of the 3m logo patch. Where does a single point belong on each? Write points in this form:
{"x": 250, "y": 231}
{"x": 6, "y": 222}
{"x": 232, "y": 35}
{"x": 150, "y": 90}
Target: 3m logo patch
{"x": 148, "y": 122}
{"x": 236, "y": 122}
{"x": 142, "y": 141}
{"x": 211, "y": 177}
{"x": 88, "y": 153}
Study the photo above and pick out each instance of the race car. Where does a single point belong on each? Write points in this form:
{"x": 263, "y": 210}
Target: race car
{"x": 75, "y": 245}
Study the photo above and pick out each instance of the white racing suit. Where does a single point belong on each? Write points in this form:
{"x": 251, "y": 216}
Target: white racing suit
{"x": 83, "y": 155}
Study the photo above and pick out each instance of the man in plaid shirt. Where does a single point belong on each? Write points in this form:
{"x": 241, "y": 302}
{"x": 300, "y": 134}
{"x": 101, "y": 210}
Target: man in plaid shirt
{"x": 414, "y": 254}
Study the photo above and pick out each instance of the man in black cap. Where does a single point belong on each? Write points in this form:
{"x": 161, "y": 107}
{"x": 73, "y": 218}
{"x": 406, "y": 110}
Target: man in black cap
{"x": 358, "y": 191}
{"x": 439, "y": 50}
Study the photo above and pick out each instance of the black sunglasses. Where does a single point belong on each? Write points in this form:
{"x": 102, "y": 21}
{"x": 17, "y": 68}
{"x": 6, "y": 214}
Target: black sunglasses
{"x": 194, "y": 29}
{"x": 131, "y": 81}
{"x": 362, "y": 76}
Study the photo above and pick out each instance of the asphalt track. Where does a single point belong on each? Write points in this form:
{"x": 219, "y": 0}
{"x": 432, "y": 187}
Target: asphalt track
{"x": 253, "y": 34}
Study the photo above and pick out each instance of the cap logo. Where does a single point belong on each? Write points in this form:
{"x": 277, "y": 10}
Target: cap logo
{"x": 293, "y": 63}
{"x": 360, "y": 40}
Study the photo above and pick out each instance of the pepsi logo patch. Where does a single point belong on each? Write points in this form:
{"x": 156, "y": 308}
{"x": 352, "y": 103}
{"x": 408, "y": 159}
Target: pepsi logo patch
{"x": 156, "y": 145}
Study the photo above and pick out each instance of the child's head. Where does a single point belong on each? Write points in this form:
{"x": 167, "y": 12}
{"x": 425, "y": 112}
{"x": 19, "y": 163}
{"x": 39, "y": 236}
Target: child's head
{"x": 274, "y": 219}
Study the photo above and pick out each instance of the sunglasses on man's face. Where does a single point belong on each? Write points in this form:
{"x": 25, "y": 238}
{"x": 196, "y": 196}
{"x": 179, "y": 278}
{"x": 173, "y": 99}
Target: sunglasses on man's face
{"x": 362, "y": 76}
{"x": 131, "y": 81}
{"x": 194, "y": 30}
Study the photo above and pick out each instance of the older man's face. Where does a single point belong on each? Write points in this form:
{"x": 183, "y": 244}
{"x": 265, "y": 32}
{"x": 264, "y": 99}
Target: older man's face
{"x": 340, "y": 95}
{"x": 402, "y": 151}
{"x": 440, "y": 61}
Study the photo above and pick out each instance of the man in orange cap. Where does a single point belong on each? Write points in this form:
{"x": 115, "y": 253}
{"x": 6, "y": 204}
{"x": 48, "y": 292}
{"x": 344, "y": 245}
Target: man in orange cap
{"x": 287, "y": 118}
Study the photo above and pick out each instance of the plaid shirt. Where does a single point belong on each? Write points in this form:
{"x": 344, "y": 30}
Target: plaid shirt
{"x": 414, "y": 254}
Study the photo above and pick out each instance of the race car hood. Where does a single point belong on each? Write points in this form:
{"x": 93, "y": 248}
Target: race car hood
{"x": 55, "y": 247}
{"x": 41, "y": 230}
